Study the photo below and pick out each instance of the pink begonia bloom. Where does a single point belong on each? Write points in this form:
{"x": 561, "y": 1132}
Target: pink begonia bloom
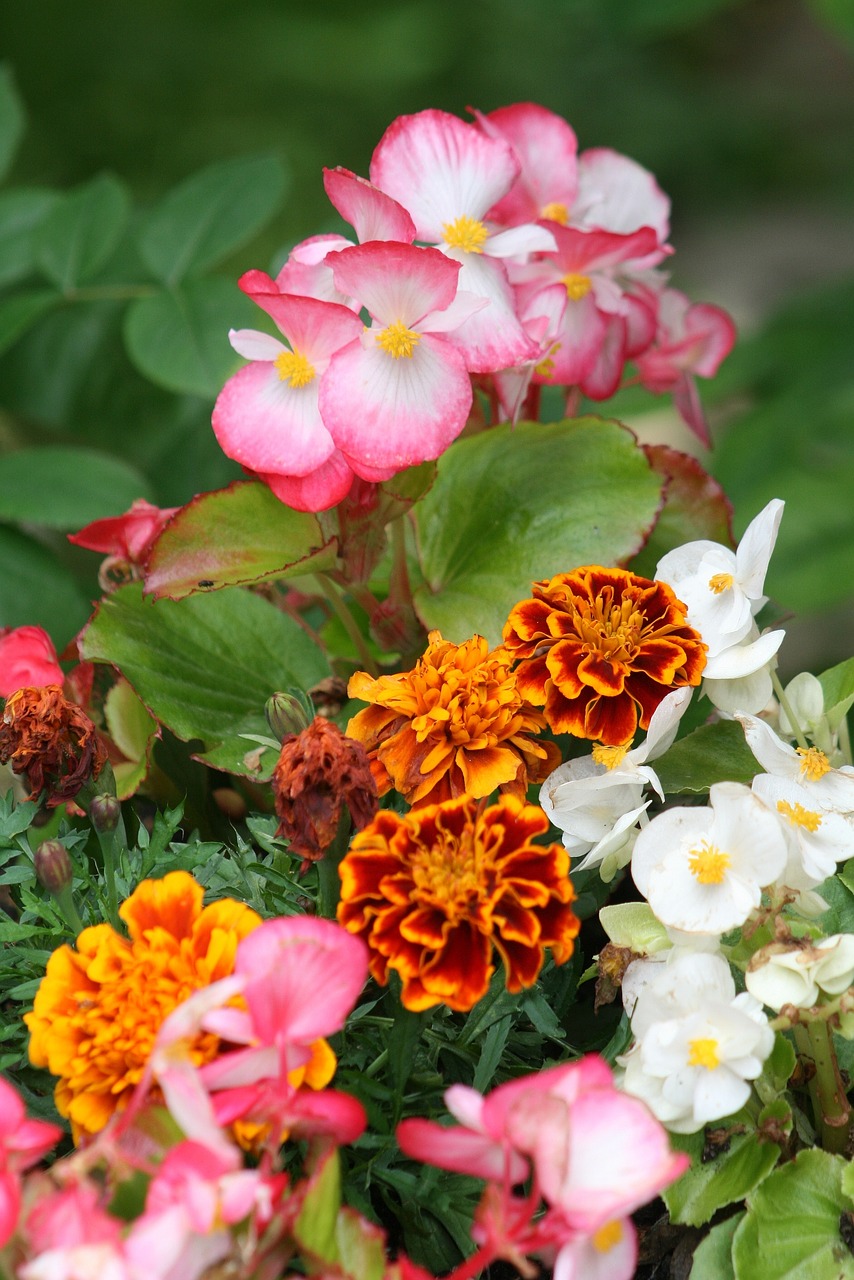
{"x": 70, "y": 1236}
{"x": 27, "y": 658}
{"x": 545, "y": 147}
{"x": 691, "y": 341}
{"x": 541, "y": 317}
{"x": 267, "y": 417}
{"x": 22, "y": 1143}
{"x": 617, "y": 194}
{"x": 307, "y": 273}
{"x": 126, "y": 537}
{"x": 448, "y": 175}
{"x": 607, "y": 1254}
{"x": 400, "y": 393}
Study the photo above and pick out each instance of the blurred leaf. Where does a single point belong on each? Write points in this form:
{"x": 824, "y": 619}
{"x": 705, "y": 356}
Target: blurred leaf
{"x": 727, "y": 1177}
{"x": 713, "y": 753}
{"x": 518, "y": 504}
{"x": 133, "y": 731}
{"x": 21, "y": 212}
{"x": 21, "y": 311}
{"x": 37, "y": 589}
{"x": 211, "y": 214}
{"x": 654, "y": 17}
{"x": 206, "y": 665}
{"x": 12, "y": 119}
{"x": 713, "y": 1256}
{"x": 66, "y": 486}
{"x": 314, "y": 1228}
{"x": 838, "y": 14}
{"x": 238, "y": 535}
{"x": 179, "y": 339}
{"x": 695, "y": 506}
{"x": 837, "y": 685}
{"x": 81, "y": 231}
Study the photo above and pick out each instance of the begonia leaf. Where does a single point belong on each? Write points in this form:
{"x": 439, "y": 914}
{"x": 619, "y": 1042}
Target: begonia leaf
{"x": 837, "y": 685}
{"x": 360, "y": 1246}
{"x": 792, "y": 1223}
{"x": 713, "y": 753}
{"x": 179, "y": 338}
{"x": 81, "y": 231}
{"x": 12, "y": 119}
{"x": 713, "y": 1256}
{"x": 21, "y": 212}
{"x": 314, "y": 1229}
{"x": 37, "y": 590}
{"x": 206, "y": 665}
{"x": 20, "y": 311}
{"x": 695, "y": 506}
{"x": 66, "y": 486}
{"x": 721, "y": 1173}
{"x": 210, "y": 214}
{"x": 133, "y": 730}
{"x": 518, "y": 504}
{"x": 238, "y": 535}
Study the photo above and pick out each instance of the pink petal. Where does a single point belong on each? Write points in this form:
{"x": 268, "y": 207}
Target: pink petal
{"x": 618, "y": 194}
{"x": 10, "y": 1205}
{"x": 320, "y": 489}
{"x": 604, "y": 378}
{"x": 460, "y": 1150}
{"x": 372, "y": 214}
{"x": 580, "y": 339}
{"x": 493, "y": 338}
{"x": 396, "y": 282}
{"x": 307, "y": 273}
{"x": 269, "y": 426}
{"x": 27, "y": 657}
{"x": 545, "y": 146}
{"x": 440, "y": 169}
{"x": 254, "y": 345}
{"x": 314, "y": 328}
{"x": 718, "y": 333}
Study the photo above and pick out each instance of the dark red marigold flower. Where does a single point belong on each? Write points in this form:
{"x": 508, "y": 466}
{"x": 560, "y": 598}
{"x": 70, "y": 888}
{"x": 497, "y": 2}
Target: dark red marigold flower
{"x": 599, "y": 649}
{"x": 51, "y": 741}
{"x": 437, "y": 891}
{"x": 318, "y": 771}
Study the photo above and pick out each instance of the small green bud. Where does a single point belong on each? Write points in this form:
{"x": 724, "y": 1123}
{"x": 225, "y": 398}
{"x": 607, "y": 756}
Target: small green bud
{"x": 288, "y": 713}
{"x": 104, "y": 813}
{"x": 53, "y": 866}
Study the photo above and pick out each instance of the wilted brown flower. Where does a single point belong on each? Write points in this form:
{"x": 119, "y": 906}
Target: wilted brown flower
{"x": 51, "y": 741}
{"x": 317, "y": 772}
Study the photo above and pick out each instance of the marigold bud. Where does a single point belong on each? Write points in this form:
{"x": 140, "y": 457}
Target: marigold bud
{"x": 287, "y": 714}
{"x": 319, "y": 771}
{"x": 104, "y": 813}
{"x": 51, "y": 741}
{"x": 53, "y": 866}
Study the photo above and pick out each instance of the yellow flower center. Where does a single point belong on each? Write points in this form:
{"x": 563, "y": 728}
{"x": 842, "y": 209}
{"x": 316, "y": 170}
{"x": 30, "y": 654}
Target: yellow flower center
{"x": 607, "y": 1237}
{"x": 450, "y": 875}
{"x": 708, "y": 863}
{"x": 577, "y": 286}
{"x": 465, "y": 233}
{"x": 398, "y": 341}
{"x": 703, "y": 1053}
{"x": 814, "y": 763}
{"x": 611, "y": 625}
{"x": 293, "y": 367}
{"x": 610, "y": 757}
{"x": 555, "y": 212}
{"x": 720, "y": 582}
{"x": 799, "y": 816}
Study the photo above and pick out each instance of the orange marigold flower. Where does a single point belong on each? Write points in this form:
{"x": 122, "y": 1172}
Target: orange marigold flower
{"x": 599, "y": 649}
{"x": 50, "y": 740}
{"x": 432, "y": 892}
{"x": 457, "y": 724}
{"x": 98, "y": 1009}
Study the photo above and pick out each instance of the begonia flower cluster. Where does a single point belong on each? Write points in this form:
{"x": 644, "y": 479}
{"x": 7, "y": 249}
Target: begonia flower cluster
{"x": 487, "y": 251}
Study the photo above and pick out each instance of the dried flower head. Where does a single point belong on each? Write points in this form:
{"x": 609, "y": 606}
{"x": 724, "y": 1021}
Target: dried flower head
{"x": 51, "y": 741}
{"x": 599, "y": 649}
{"x": 99, "y": 1008}
{"x": 456, "y": 724}
{"x": 434, "y": 891}
{"x": 318, "y": 772}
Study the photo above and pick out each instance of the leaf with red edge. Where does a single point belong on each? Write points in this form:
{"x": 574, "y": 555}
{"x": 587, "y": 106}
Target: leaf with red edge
{"x": 235, "y": 537}
{"x": 695, "y": 506}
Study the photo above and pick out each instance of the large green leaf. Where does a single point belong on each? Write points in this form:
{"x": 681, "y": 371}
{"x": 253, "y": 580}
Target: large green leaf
{"x": 179, "y": 338}
{"x": 713, "y": 1257}
{"x": 724, "y": 1179}
{"x": 517, "y": 504}
{"x": 21, "y": 212}
{"x": 19, "y": 313}
{"x": 241, "y": 534}
{"x": 791, "y": 1229}
{"x": 81, "y": 231}
{"x": 11, "y": 119}
{"x": 36, "y": 588}
{"x": 713, "y": 753}
{"x": 205, "y": 666}
{"x": 66, "y": 486}
{"x": 211, "y": 214}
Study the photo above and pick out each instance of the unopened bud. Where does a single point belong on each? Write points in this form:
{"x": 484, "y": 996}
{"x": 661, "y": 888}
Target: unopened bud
{"x": 53, "y": 866}
{"x": 104, "y": 812}
{"x": 288, "y": 713}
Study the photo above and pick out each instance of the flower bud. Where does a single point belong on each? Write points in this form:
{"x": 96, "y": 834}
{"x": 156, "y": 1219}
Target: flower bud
{"x": 288, "y": 713}
{"x": 104, "y": 813}
{"x": 53, "y": 866}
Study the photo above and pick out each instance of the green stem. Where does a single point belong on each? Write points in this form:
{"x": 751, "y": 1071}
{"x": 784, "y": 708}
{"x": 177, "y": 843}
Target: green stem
{"x": 65, "y": 902}
{"x": 345, "y": 617}
{"x": 830, "y": 1103}
{"x": 790, "y": 715}
{"x": 107, "y": 841}
{"x": 328, "y": 879}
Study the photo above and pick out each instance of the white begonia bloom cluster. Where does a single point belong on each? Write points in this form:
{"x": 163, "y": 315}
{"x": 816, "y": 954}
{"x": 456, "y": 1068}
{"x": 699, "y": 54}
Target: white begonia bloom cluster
{"x": 800, "y": 974}
{"x": 697, "y": 1042}
{"x": 722, "y": 591}
{"x": 597, "y": 801}
{"x": 703, "y": 869}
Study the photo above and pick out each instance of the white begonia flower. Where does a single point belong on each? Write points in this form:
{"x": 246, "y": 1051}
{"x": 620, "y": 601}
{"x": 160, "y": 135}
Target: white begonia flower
{"x": 703, "y": 870}
{"x": 800, "y": 974}
{"x": 722, "y": 589}
{"x": 698, "y": 1043}
{"x": 830, "y": 789}
{"x": 739, "y": 678}
{"x": 805, "y": 696}
{"x": 597, "y": 800}
{"x": 816, "y": 838}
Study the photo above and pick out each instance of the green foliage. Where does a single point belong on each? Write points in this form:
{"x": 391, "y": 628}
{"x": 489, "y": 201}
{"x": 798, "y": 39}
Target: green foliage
{"x": 722, "y": 1179}
{"x": 713, "y": 753}
{"x": 82, "y": 485}
{"x": 81, "y": 231}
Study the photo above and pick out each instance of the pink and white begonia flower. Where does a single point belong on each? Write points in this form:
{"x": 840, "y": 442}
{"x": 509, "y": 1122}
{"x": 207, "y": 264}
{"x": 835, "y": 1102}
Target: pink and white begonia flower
{"x": 541, "y": 317}
{"x": 27, "y": 659}
{"x": 400, "y": 393}
{"x": 307, "y": 273}
{"x": 829, "y": 789}
{"x": 703, "y": 869}
{"x": 545, "y": 147}
{"x": 448, "y": 174}
{"x": 70, "y": 1236}
{"x": 615, "y": 193}
{"x": 610, "y": 1253}
{"x": 267, "y": 417}
{"x": 697, "y": 1042}
{"x": 22, "y": 1143}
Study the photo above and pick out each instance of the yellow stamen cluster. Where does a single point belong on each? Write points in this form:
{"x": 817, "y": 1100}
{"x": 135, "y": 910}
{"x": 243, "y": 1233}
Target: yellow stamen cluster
{"x": 708, "y": 864}
{"x": 577, "y": 286}
{"x": 703, "y": 1053}
{"x": 720, "y": 582}
{"x": 398, "y": 341}
{"x": 465, "y": 233}
{"x": 814, "y": 763}
{"x": 293, "y": 367}
{"x": 555, "y": 212}
{"x": 610, "y": 757}
{"x": 607, "y": 1237}
{"x": 799, "y": 816}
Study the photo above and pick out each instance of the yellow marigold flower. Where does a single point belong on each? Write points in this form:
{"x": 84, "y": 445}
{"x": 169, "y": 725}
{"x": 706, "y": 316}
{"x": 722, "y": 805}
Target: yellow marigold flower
{"x": 99, "y": 1008}
{"x": 457, "y": 724}
{"x": 599, "y": 649}
{"x": 435, "y": 891}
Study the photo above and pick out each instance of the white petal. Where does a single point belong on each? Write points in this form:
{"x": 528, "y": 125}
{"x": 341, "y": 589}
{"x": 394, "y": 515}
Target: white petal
{"x": 254, "y": 345}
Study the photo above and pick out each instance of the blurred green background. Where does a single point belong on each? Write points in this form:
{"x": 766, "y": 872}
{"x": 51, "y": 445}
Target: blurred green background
{"x": 744, "y": 110}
